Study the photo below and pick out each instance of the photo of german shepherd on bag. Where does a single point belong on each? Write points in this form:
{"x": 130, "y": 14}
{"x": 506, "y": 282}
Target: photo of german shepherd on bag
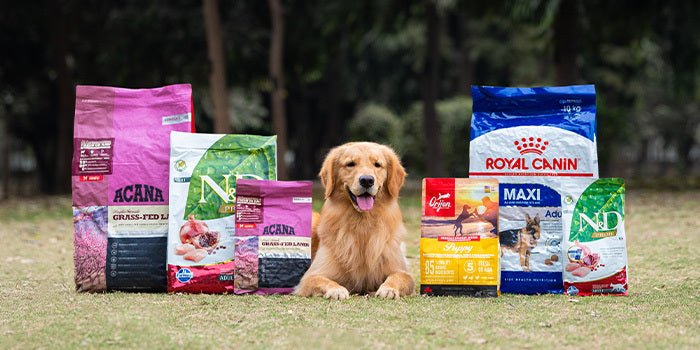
{"x": 522, "y": 240}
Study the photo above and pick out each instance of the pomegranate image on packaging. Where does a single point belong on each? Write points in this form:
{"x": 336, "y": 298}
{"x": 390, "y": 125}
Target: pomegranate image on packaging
{"x": 582, "y": 260}
{"x": 195, "y": 234}
{"x": 191, "y": 229}
{"x": 207, "y": 241}
{"x": 594, "y": 240}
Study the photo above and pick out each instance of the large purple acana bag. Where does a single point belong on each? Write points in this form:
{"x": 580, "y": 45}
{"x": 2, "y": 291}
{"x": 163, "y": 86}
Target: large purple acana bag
{"x": 120, "y": 184}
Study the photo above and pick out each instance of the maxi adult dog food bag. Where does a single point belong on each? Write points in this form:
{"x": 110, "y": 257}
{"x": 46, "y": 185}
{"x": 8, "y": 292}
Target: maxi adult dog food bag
{"x": 534, "y": 141}
{"x": 530, "y": 234}
{"x": 120, "y": 184}
{"x": 459, "y": 237}
{"x": 595, "y": 244}
{"x": 273, "y": 235}
{"x": 204, "y": 171}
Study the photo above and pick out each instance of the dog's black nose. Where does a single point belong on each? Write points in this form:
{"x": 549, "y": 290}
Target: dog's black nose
{"x": 366, "y": 181}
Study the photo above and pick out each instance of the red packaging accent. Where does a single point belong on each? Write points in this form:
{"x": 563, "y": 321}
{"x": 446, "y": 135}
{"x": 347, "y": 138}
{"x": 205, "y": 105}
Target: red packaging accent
{"x": 439, "y": 197}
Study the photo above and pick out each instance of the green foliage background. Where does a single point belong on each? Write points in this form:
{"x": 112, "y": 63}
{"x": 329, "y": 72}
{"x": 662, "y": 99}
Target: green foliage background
{"x": 349, "y": 62}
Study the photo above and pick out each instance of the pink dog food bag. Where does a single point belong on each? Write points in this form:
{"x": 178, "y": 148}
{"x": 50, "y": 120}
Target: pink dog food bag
{"x": 120, "y": 184}
{"x": 273, "y": 235}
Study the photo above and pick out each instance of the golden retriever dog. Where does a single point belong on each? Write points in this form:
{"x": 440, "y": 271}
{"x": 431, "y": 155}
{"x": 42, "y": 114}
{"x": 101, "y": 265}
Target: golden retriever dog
{"x": 357, "y": 241}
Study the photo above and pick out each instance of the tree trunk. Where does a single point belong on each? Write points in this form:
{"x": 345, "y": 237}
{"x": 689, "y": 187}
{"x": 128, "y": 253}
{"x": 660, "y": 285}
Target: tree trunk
{"x": 566, "y": 42}
{"x": 217, "y": 78}
{"x": 5, "y": 172}
{"x": 304, "y": 131}
{"x": 279, "y": 117}
{"x": 465, "y": 65}
{"x": 686, "y": 140}
{"x": 65, "y": 99}
{"x": 429, "y": 90}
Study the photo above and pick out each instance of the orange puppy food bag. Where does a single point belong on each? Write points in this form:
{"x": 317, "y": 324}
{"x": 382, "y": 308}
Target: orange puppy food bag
{"x": 459, "y": 237}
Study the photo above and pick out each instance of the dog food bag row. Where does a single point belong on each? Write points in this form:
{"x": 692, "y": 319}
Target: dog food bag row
{"x": 459, "y": 237}
{"x": 204, "y": 170}
{"x": 595, "y": 244}
{"x": 273, "y": 235}
{"x": 120, "y": 184}
{"x": 534, "y": 141}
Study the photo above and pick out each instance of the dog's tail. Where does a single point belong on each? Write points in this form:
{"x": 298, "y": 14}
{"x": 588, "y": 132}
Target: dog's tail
{"x": 315, "y": 217}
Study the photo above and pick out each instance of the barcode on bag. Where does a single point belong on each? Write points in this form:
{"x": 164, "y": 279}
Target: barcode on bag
{"x": 177, "y": 119}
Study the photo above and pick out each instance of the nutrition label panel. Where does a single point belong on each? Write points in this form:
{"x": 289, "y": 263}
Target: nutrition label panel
{"x": 93, "y": 156}
{"x": 136, "y": 264}
{"x": 477, "y": 267}
{"x": 459, "y": 271}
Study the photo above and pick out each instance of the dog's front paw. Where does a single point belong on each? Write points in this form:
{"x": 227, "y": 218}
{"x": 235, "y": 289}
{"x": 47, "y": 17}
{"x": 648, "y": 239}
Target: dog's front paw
{"x": 337, "y": 293}
{"x": 387, "y": 292}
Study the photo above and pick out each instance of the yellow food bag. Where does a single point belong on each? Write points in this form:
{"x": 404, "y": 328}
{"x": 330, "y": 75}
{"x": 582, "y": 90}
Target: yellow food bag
{"x": 459, "y": 251}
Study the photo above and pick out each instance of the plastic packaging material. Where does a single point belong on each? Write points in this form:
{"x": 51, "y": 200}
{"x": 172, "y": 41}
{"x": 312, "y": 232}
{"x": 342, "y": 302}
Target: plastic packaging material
{"x": 459, "y": 237}
{"x": 120, "y": 184}
{"x": 535, "y": 141}
{"x": 204, "y": 172}
{"x": 273, "y": 235}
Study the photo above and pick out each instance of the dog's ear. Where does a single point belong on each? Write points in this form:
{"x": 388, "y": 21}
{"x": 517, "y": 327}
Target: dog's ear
{"x": 327, "y": 173}
{"x": 395, "y": 172}
{"x": 537, "y": 219}
{"x": 527, "y": 217}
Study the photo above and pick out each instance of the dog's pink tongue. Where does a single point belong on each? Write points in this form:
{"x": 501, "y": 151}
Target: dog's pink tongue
{"x": 365, "y": 202}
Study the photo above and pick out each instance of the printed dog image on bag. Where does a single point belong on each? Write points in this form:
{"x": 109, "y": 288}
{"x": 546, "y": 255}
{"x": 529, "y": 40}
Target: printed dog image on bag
{"x": 459, "y": 237}
{"x": 530, "y": 239}
{"x": 522, "y": 241}
{"x": 534, "y": 141}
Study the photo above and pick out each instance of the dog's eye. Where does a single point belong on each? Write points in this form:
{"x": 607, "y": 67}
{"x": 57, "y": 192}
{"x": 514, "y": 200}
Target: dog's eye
{"x": 350, "y": 164}
{"x": 377, "y": 165}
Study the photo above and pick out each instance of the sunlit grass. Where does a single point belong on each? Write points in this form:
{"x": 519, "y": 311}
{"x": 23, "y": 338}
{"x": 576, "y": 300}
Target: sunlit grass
{"x": 40, "y": 309}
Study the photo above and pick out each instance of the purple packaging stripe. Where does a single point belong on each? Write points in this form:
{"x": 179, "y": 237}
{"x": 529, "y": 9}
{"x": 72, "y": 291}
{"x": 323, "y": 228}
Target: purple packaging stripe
{"x": 278, "y": 199}
{"x": 94, "y": 110}
{"x": 149, "y": 97}
{"x": 138, "y": 123}
{"x": 271, "y": 188}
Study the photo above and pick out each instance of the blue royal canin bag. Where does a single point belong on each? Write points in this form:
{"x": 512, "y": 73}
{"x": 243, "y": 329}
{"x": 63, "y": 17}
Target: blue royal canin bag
{"x": 534, "y": 141}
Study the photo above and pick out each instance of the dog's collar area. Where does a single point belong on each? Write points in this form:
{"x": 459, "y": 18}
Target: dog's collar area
{"x": 362, "y": 202}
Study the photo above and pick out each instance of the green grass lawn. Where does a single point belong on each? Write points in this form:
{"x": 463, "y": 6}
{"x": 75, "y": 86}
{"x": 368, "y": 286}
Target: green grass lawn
{"x": 40, "y": 309}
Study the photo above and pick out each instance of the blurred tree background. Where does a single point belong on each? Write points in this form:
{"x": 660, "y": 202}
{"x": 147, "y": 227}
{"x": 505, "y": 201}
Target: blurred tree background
{"x": 320, "y": 73}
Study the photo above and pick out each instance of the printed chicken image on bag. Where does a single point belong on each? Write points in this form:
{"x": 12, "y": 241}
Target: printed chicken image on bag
{"x": 204, "y": 171}
{"x": 534, "y": 141}
{"x": 273, "y": 235}
{"x": 595, "y": 244}
{"x": 459, "y": 237}
{"x": 120, "y": 184}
